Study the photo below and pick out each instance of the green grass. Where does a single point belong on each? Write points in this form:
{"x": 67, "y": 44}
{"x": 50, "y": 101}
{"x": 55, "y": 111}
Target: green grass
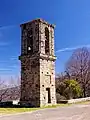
{"x": 16, "y": 110}
{"x": 83, "y": 102}
{"x": 58, "y": 105}
{"x": 20, "y": 110}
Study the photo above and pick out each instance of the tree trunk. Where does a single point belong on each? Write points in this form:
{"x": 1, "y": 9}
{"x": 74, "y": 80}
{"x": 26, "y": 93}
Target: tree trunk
{"x": 84, "y": 91}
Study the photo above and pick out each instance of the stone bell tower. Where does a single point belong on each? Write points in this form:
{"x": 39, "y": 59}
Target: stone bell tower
{"x": 37, "y": 63}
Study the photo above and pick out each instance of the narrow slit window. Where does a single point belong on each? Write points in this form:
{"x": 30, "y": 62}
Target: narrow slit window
{"x": 30, "y": 42}
{"x": 46, "y": 40}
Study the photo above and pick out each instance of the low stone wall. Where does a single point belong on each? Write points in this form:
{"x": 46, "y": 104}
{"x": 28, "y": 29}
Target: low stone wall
{"x": 79, "y": 100}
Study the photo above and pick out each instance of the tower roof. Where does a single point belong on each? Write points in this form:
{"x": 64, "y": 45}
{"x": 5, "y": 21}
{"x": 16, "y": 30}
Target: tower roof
{"x": 38, "y": 20}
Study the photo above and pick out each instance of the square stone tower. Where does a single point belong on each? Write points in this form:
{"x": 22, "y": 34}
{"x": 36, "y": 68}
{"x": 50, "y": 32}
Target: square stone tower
{"x": 37, "y": 63}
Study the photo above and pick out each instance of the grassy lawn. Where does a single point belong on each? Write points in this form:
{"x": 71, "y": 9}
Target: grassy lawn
{"x": 20, "y": 110}
{"x": 16, "y": 110}
{"x": 84, "y": 102}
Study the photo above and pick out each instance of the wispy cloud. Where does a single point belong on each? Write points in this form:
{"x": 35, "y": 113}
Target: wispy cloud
{"x": 10, "y": 68}
{"x": 14, "y": 66}
{"x": 3, "y": 61}
{"x": 5, "y": 69}
{"x": 72, "y": 48}
{"x": 8, "y": 26}
{"x": 4, "y": 44}
{"x": 14, "y": 58}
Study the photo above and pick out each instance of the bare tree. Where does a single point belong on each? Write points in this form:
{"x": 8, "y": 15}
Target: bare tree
{"x": 3, "y": 90}
{"x": 14, "y": 88}
{"x": 78, "y": 67}
{"x": 10, "y": 91}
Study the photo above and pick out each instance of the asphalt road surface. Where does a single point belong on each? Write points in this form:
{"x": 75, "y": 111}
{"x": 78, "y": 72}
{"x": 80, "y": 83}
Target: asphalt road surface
{"x": 74, "y": 112}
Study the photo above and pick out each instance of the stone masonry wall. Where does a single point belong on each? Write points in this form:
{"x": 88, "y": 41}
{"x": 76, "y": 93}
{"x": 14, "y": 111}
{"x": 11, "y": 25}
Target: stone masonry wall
{"x": 47, "y": 67}
{"x": 47, "y": 80}
{"x": 26, "y": 34}
{"x": 37, "y": 68}
{"x": 30, "y": 84}
{"x": 42, "y": 38}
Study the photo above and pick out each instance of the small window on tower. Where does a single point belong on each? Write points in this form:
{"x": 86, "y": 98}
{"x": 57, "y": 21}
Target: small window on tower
{"x": 29, "y": 48}
{"x": 46, "y": 40}
{"x": 30, "y": 44}
{"x": 36, "y": 85}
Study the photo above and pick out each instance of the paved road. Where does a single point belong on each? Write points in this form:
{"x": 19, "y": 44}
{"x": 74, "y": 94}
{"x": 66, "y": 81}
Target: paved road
{"x": 75, "y": 112}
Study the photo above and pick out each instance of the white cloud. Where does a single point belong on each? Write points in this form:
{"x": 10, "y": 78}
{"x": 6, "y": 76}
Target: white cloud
{"x": 72, "y": 48}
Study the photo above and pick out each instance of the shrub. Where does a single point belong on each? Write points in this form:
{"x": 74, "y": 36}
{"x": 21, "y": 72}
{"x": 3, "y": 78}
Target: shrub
{"x": 69, "y": 89}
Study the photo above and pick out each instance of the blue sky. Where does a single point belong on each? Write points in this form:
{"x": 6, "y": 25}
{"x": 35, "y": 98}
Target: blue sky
{"x": 72, "y": 20}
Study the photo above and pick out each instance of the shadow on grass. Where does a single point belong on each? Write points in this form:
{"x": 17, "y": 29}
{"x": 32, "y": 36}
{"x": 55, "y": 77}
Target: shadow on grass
{"x": 20, "y": 109}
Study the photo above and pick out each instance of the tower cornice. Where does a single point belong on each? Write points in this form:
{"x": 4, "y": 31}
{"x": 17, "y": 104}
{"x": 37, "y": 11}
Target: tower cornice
{"x": 39, "y": 56}
{"x": 39, "y": 20}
